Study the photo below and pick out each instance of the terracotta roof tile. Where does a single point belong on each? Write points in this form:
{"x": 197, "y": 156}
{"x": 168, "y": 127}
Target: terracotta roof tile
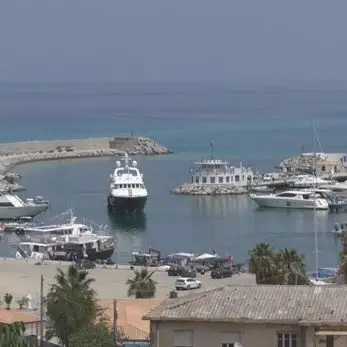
{"x": 259, "y": 304}
{"x": 12, "y": 316}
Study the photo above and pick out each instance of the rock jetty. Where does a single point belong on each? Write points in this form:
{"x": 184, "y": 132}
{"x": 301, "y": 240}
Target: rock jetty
{"x": 208, "y": 189}
{"x": 12, "y": 154}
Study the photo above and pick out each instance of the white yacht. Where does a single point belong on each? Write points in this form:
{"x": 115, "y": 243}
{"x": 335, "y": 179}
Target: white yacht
{"x": 308, "y": 181}
{"x": 128, "y": 193}
{"x": 337, "y": 188}
{"x": 13, "y": 207}
{"x": 69, "y": 228}
{"x": 298, "y": 199}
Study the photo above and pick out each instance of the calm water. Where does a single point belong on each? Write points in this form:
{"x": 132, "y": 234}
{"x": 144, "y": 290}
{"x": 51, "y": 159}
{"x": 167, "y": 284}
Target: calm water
{"x": 254, "y": 124}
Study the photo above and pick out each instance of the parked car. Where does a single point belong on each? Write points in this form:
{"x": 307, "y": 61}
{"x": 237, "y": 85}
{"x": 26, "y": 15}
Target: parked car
{"x": 181, "y": 271}
{"x": 187, "y": 283}
{"x": 85, "y": 264}
{"x": 222, "y": 272}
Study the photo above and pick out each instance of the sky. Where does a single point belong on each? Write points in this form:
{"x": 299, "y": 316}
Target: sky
{"x": 191, "y": 40}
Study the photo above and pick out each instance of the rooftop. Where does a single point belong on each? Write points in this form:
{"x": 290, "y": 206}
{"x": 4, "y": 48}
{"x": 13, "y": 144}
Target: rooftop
{"x": 259, "y": 304}
{"x": 12, "y": 316}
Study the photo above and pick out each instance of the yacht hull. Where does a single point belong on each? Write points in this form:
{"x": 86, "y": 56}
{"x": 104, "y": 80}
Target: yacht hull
{"x": 91, "y": 255}
{"x": 7, "y": 213}
{"x": 318, "y": 204}
{"x": 101, "y": 255}
{"x": 126, "y": 205}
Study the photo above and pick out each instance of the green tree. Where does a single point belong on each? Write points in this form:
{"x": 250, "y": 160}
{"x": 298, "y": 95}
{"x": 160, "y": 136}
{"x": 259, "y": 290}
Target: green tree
{"x": 270, "y": 266}
{"x": 261, "y": 259}
{"x": 141, "y": 285}
{"x": 96, "y": 335}
{"x": 13, "y": 335}
{"x": 71, "y": 304}
{"x": 291, "y": 267}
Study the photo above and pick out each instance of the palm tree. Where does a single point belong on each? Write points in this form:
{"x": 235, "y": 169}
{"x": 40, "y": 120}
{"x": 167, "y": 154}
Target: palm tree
{"x": 277, "y": 267}
{"x": 291, "y": 266}
{"x": 71, "y": 304}
{"x": 261, "y": 263}
{"x": 141, "y": 285}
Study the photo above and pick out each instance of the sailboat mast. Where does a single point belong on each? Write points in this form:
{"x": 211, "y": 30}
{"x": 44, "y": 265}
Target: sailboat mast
{"x": 314, "y": 166}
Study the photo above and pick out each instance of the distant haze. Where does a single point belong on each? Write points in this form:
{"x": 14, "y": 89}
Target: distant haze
{"x": 112, "y": 40}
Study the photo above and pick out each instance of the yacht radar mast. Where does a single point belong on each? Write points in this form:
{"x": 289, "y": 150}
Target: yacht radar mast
{"x": 212, "y": 150}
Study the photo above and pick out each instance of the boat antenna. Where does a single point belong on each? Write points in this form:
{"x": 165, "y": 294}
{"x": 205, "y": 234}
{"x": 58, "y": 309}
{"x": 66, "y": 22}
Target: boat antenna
{"x": 212, "y": 150}
{"x": 314, "y": 169}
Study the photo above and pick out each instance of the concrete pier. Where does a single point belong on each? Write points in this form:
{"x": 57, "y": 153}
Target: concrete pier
{"x": 208, "y": 189}
{"x": 12, "y": 154}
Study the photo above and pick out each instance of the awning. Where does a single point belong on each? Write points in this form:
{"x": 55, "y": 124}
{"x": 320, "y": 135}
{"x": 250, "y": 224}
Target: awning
{"x": 331, "y": 332}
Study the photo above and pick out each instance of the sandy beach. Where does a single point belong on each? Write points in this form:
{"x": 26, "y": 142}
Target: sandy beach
{"x": 21, "y": 277}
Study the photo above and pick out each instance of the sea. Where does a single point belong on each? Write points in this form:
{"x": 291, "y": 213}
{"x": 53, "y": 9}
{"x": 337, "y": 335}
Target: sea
{"x": 253, "y": 123}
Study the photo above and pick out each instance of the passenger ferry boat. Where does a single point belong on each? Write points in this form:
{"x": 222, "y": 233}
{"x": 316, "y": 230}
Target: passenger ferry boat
{"x": 64, "y": 242}
{"x": 91, "y": 247}
{"x": 217, "y": 171}
{"x": 128, "y": 193}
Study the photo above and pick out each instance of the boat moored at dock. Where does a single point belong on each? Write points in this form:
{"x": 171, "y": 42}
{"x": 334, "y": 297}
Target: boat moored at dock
{"x": 14, "y": 207}
{"x": 92, "y": 247}
{"x": 214, "y": 176}
{"x": 293, "y": 199}
{"x": 128, "y": 194}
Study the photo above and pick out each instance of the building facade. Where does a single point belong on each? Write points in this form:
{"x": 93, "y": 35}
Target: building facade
{"x": 253, "y": 316}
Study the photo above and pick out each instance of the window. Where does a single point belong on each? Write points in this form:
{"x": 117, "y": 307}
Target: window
{"x": 243, "y": 177}
{"x": 204, "y": 180}
{"x": 212, "y": 180}
{"x": 183, "y": 338}
{"x": 287, "y": 340}
{"x": 220, "y": 179}
{"x": 227, "y": 179}
{"x": 196, "y": 179}
{"x": 237, "y": 178}
{"x": 229, "y": 339}
{"x": 287, "y": 195}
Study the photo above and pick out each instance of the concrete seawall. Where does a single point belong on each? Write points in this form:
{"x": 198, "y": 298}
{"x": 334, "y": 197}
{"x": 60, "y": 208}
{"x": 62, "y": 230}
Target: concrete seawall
{"x": 12, "y": 154}
{"x": 208, "y": 189}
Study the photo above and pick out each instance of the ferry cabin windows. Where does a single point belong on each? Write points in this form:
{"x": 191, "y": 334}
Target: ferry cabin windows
{"x": 126, "y": 186}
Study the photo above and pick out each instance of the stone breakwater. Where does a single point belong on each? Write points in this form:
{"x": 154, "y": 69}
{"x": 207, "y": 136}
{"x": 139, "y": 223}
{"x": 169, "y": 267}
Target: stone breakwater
{"x": 12, "y": 154}
{"x": 208, "y": 189}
